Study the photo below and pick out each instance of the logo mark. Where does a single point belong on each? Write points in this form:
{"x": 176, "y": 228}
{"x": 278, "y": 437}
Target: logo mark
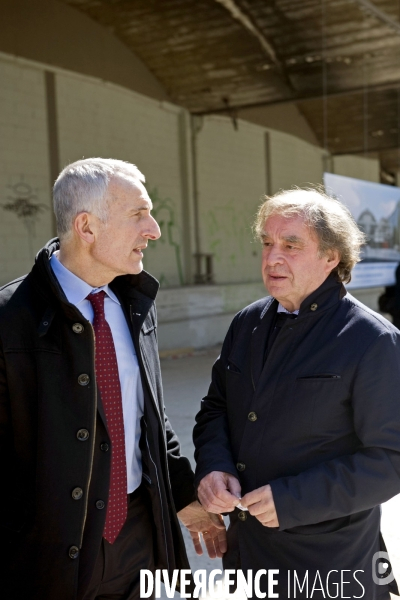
{"x": 382, "y": 572}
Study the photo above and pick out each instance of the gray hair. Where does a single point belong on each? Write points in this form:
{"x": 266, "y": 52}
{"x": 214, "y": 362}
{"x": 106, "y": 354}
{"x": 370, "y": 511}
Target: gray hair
{"x": 82, "y": 187}
{"x": 328, "y": 219}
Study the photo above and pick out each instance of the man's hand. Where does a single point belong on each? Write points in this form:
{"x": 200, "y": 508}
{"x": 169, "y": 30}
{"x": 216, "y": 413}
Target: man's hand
{"x": 219, "y": 492}
{"x": 211, "y": 526}
{"x": 260, "y": 503}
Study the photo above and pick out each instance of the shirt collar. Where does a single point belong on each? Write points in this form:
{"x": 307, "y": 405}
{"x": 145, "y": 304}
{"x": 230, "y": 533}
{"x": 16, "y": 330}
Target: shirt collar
{"x": 282, "y": 309}
{"x": 75, "y": 289}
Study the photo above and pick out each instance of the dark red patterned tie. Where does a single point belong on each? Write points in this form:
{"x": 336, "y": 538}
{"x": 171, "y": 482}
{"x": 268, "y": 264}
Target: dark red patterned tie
{"x": 110, "y": 390}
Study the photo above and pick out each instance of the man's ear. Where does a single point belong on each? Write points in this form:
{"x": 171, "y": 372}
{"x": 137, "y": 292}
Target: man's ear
{"x": 84, "y": 227}
{"x": 333, "y": 259}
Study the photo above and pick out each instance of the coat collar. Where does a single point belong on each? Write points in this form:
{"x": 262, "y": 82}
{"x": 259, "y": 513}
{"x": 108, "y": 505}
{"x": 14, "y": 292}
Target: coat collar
{"x": 327, "y": 295}
{"x": 138, "y": 290}
{"x": 74, "y": 287}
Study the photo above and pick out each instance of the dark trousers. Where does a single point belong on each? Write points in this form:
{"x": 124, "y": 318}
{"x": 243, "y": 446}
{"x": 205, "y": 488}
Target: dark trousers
{"x": 116, "y": 574}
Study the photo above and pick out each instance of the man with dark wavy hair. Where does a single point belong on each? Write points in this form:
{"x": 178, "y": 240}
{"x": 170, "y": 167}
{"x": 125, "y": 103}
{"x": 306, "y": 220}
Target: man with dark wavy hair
{"x": 298, "y": 437}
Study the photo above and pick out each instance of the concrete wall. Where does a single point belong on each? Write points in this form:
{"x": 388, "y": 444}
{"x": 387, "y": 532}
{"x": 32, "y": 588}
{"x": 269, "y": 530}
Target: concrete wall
{"x": 232, "y": 178}
{"x": 199, "y": 316}
{"x": 195, "y": 317}
{"x": 358, "y": 167}
{"x": 205, "y": 178}
{"x": 97, "y": 118}
{"x": 24, "y": 169}
{"x": 293, "y": 162}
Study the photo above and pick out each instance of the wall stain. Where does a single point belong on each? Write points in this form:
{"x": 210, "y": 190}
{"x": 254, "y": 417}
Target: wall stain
{"x": 164, "y": 214}
{"x": 23, "y": 203}
{"x": 229, "y": 231}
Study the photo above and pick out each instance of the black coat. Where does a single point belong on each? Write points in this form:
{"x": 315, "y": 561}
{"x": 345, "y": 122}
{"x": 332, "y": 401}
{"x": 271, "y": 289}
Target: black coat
{"x": 320, "y": 422}
{"x": 44, "y": 403}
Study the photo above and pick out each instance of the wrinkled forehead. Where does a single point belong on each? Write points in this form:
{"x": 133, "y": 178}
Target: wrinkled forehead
{"x": 126, "y": 182}
{"x": 129, "y": 188}
{"x": 277, "y": 225}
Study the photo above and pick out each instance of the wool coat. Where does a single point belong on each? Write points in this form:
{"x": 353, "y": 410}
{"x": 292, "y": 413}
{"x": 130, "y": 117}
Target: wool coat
{"x": 54, "y": 446}
{"x": 320, "y": 422}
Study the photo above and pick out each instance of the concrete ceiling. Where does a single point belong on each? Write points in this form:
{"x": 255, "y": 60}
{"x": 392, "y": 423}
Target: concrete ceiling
{"x": 337, "y": 60}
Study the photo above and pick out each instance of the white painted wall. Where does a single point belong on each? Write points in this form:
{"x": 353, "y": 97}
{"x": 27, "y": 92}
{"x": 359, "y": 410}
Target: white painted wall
{"x": 358, "y": 167}
{"x": 98, "y": 119}
{"x": 294, "y": 162}
{"x": 232, "y": 176}
{"x": 23, "y": 166}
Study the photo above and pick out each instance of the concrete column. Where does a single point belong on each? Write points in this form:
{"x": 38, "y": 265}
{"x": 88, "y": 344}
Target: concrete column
{"x": 187, "y": 187}
{"x": 52, "y": 133}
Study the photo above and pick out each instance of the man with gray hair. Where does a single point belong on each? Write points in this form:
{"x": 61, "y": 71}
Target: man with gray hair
{"x": 91, "y": 469}
{"x": 298, "y": 437}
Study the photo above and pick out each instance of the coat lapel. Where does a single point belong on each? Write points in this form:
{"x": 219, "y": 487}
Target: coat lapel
{"x": 140, "y": 322}
{"x": 259, "y": 338}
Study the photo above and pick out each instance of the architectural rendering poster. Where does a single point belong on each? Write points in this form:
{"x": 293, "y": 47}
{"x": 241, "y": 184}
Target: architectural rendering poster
{"x": 376, "y": 208}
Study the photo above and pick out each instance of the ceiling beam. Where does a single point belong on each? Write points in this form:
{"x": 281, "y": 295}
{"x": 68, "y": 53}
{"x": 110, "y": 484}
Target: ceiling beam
{"x": 246, "y": 20}
{"x": 377, "y": 12}
{"x": 362, "y": 150}
{"x": 381, "y": 87}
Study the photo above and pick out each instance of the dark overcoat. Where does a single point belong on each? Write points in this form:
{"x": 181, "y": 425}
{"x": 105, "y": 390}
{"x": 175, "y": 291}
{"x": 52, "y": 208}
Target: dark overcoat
{"x": 54, "y": 441}
{"x": 320, "y": 423}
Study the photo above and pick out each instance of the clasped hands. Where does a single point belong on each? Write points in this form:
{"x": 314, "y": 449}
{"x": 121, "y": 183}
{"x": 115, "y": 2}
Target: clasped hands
{"x": 220, "y": 492}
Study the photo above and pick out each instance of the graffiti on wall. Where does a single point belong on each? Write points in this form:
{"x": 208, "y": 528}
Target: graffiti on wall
{"x": 164, "y": 212}
{"x": 228, "y": 230}
{"x": 23, "y": 203}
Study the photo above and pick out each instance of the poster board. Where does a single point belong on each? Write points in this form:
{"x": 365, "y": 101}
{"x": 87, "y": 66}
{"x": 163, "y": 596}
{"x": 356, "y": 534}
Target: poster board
{"x": 376, "y": 209}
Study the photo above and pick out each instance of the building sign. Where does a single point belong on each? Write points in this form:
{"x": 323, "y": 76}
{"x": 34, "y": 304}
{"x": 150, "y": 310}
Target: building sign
{"x": 376, "y": 209}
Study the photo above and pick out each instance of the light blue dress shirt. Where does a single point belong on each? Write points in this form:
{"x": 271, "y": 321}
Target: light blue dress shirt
{"x": 283, "y": 309}
{"x": 76, "y": 291}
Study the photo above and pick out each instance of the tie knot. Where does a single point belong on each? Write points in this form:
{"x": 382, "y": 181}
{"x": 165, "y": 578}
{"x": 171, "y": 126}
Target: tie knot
{"x": 97, "y": 301}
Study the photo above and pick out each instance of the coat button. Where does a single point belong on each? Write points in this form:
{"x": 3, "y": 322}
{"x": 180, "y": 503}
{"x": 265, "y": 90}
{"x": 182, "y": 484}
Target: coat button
{"x": 100, "y": 504}
{"x": 83, "y": 379}
{"x": 240, "y": 466}
{"x": 82, "y": 435}
{"x": 104, "y": 447}
{"x": 73, "y": 552}
{"x": 314, "y": 306}
{"x": 77, "y": 493}
{"x": 242, "y": 515}
{"x": 77, "y": 328}
{"x": 252, "y": 416}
